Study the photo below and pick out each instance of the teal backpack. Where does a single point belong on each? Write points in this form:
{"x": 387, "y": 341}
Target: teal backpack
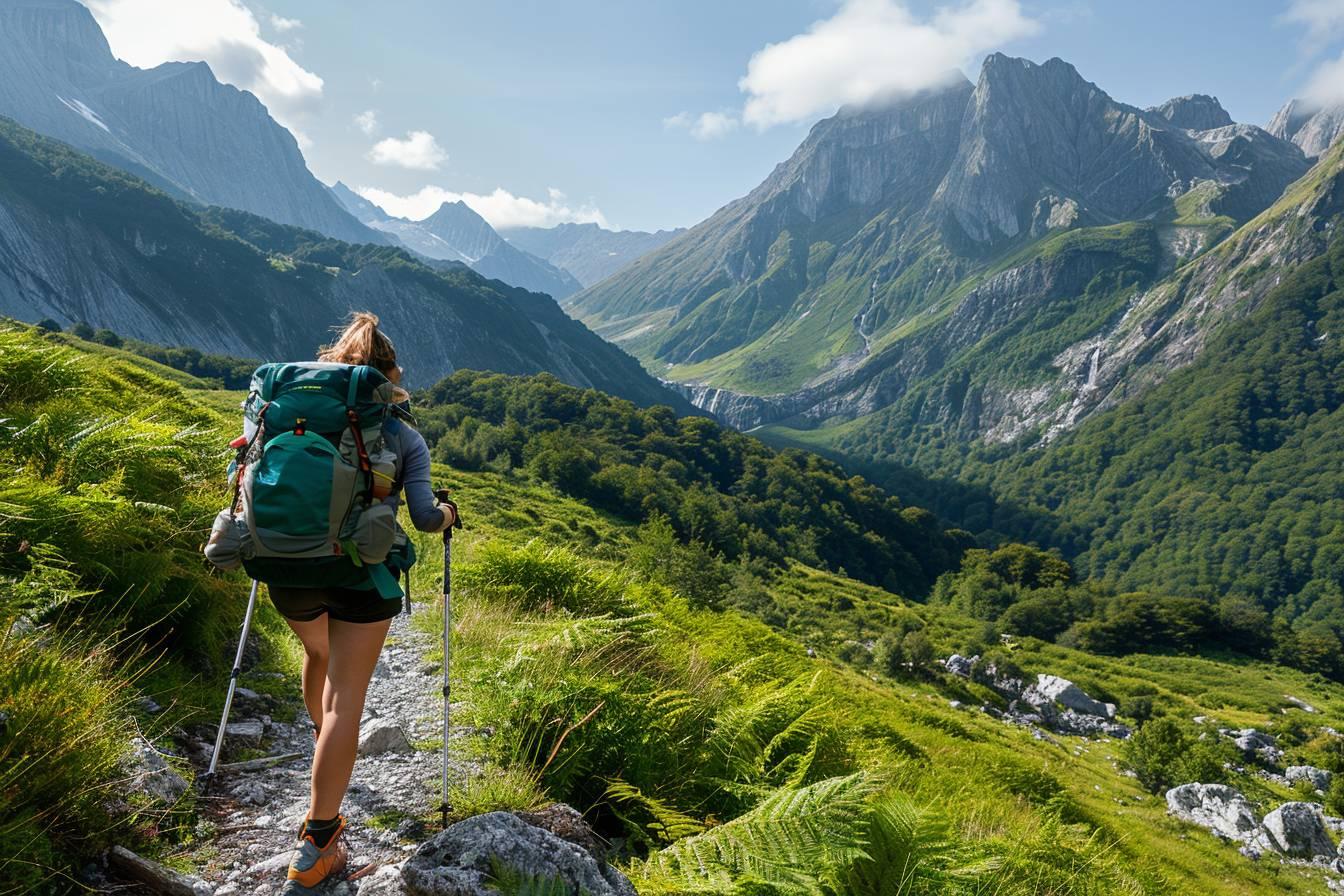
{"x": 312, "y": 455}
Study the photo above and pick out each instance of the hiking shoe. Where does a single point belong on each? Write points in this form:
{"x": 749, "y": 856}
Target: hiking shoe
{"x": 311, "y": 866}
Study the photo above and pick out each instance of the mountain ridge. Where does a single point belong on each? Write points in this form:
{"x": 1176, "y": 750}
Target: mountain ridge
{"x": 588, "y": 251}
{"x": 456, "y": 232}
{"x": 81, "y": 241}
{"x": 58, "y": 76}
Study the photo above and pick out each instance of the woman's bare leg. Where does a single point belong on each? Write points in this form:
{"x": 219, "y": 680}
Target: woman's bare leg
{"x": 354, "y": 650}
{"x": 313, "y": 634}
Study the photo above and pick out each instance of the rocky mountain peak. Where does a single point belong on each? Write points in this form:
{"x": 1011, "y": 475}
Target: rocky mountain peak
{"x": 1195, "y": 112}
{"x": 66, "y": 33}
{"x": 1314, "y": 128}
{"x": 363, "y": 210}
{"x": 175, "y": 125}
{"x": 1032, "y": 130}
{"x": 1042, "y": 146}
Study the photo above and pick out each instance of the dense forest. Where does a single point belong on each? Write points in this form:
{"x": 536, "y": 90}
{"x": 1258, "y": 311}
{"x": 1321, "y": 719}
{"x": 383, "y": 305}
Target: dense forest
{"x": 716, "y": 487}
{"x": 1219, "y": 486}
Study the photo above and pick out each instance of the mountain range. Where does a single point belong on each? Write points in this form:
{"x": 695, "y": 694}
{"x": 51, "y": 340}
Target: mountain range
{"x": 899, "y": 242}
{"x": 457, "y": 233}
{"x": 590, "y": 252}
{"x": 174, "y": 125}
{"x": 83, "y": 241}
{"x": 1048, "y": 316}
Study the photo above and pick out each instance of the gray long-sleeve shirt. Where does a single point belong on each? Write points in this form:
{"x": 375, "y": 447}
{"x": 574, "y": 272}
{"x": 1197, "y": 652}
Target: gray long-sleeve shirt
{"x": 413, "y": 475}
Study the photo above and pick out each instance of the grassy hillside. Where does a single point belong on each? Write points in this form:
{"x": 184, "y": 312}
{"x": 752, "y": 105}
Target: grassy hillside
{"x": 730, "y": 757}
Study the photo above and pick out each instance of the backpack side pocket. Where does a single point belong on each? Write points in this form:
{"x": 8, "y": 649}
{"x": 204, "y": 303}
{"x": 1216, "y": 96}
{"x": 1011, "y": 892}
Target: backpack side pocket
{"x": 229, "y": 542}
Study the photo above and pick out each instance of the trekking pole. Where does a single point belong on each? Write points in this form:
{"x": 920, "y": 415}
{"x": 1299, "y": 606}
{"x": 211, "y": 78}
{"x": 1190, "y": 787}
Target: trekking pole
{"x": 442, "y": 495}
{"x": 233, "y": 684}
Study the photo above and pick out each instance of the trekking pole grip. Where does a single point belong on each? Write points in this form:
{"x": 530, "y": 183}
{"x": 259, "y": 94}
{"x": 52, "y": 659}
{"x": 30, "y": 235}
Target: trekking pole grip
{"x": 442, "y": 496}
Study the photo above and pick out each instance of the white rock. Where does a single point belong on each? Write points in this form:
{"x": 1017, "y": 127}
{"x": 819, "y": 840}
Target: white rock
{"x": 1319, "y": 777}
{"x": 1298, "y": 829}
{"x": 1221, "y": 809}
{"x": 1051, "y": 689}
{"x": 151, "y": 774}
{"x": 380, "y": 737}
{"x": 248, "y": 731}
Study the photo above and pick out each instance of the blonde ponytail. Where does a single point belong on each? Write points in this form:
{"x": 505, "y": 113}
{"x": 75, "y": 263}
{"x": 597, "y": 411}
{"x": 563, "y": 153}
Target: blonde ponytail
{"x": 361, "y": 342}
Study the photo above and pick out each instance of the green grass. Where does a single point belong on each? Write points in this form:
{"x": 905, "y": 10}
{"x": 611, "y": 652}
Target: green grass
{"x": 111, "y": 474}
{"x": 1046, "y": 818}
{"x": 709, "y": 739}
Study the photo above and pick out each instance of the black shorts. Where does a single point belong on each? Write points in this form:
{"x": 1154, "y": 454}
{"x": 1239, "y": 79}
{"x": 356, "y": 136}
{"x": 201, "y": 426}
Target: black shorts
{"x": 343, "y": 604}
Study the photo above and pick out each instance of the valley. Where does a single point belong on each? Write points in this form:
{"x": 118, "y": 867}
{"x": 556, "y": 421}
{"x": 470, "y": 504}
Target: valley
{"x": 956, "y": 512}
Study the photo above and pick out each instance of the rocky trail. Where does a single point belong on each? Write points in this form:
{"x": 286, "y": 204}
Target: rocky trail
{"x": 394, "y": 787}
{"x": 248, "y": 820}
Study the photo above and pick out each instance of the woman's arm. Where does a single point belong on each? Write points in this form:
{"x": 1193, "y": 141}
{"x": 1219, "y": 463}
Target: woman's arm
{"x": 427, "y": 514}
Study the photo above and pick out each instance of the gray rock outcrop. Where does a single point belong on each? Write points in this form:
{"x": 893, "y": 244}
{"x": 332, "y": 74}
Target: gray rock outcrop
{"x": 1256, "y": 744}
{"x": 1312, "y": 127}
{"x": 1221, "y": 809}
{"x": 1196, "y": 112}
{"x": 460, "y": 861}
{"x": 1298, "y": 829}
{"x": 1050, "y": 690}
{"x": 1319, "y": 778}
{"x": 957, "y": 664}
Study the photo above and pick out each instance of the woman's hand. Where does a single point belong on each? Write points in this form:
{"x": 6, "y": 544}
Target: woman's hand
{"x": 449, "y": 510}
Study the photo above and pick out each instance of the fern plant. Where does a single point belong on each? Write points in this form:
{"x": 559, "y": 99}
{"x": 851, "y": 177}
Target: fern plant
{"x": 911, "y": 851}
{"x": 798, "y": 841}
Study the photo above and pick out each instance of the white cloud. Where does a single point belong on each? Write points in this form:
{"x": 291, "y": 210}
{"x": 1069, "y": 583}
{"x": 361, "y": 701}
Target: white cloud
{"x": 501, "y": 208}
{"x": 706, "y": 126}
{"x": 223, "y": 33}
{"x": 367, "y": 121}
{"x": 869, "y": 50}
{"x": 1326, "y": 86}
{"x": 1324, "y": 22}
{"x": 713, "y": 124}
{"x": 283, "y": 25}
{"x": 1323, "y": 19}
{"x": 418, "y": 151}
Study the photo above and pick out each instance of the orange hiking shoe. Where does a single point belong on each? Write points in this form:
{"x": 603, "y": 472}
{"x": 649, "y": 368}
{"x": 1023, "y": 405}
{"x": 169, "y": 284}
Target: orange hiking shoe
{"x": 312, "y": 865}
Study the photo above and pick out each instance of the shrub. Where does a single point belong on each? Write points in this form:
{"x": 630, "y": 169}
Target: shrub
{"x": 543, "y": 578}
{"x": 1334, "y": 797}
{"x": 1163, "y": 754}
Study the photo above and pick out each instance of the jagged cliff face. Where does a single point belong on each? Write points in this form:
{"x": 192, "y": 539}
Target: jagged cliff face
{"x": 1313, "y": 128}
{"x": 1039, "y": 139}
{"x": 80, "y": 241}
{"x": 174, "y": 125}
{"x": 962, "y": 258}
{"x": 457, "y": 233}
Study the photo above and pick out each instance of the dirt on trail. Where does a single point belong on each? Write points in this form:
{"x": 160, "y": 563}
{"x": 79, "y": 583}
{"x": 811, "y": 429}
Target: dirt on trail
{"x": 394, "y": 789}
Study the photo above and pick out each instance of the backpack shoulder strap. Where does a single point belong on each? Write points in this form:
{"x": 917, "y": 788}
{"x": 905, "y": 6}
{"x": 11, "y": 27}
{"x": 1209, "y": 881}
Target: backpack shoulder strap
{"x": 357, "y": 377}
{"x": 268, "y": 382}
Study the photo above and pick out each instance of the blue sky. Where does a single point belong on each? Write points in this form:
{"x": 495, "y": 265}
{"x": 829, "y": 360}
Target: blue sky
{"x": 631, "y": 113}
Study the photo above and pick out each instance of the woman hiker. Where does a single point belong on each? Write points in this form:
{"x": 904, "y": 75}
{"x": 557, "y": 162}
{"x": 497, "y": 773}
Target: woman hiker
{"x": 343, "y": 629}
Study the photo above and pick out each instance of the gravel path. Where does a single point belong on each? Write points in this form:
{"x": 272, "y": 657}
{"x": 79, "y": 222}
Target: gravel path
{"x": 394, "y": 790}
